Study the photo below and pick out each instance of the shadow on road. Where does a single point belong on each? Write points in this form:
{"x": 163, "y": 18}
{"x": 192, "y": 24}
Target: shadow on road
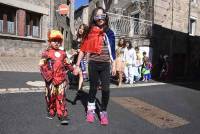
{"x": 83, "y": 96}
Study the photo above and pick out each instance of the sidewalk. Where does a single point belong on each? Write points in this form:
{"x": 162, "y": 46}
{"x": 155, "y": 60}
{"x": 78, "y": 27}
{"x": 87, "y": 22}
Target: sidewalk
{"x": 19, "y": 64}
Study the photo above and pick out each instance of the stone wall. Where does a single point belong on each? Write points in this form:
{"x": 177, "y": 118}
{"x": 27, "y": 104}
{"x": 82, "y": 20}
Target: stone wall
{"x": 21, "y": 48}
{"x": 172, "y": 15}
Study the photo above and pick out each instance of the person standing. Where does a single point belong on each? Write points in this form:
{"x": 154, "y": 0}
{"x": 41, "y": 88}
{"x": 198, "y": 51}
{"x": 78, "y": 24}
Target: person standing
{"x": 129, "y": 59}
{"x": 53, "y": 67}
{"x": 119, "y": 60}
{"x": 138, "y": 64}
{"x": 100, "y": 43}
{"x": 81, "y": 33}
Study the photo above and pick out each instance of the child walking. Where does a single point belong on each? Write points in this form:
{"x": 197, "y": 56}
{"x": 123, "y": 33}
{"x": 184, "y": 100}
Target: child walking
{"x": 129, "y": 59}
{"x": 146, "y": 69}
{"x": 100, "y": 43}
{"x": 53, "y": 67}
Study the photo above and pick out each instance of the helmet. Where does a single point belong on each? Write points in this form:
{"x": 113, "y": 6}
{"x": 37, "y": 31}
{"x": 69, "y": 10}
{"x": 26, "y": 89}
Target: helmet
{"x": 55, "y": 34}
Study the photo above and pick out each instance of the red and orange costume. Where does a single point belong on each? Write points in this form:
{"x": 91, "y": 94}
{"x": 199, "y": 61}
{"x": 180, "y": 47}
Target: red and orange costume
{"x": 53, "y": 70}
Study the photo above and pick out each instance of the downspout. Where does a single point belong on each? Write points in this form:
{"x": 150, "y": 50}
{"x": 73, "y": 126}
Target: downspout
{"x": 187, "y": 72}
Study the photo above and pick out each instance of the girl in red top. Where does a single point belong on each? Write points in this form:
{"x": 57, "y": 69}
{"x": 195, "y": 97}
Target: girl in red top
{"x": 100, "y": 44}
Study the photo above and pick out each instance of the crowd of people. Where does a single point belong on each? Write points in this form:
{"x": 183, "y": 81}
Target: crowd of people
{"x": 94, "y": 58}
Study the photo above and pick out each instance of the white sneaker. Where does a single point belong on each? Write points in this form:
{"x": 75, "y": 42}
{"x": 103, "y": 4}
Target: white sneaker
{"x": 132, "y": 82}
{"x": 127, "y": 82}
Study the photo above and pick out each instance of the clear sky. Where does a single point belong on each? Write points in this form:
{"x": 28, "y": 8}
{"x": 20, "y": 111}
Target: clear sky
{"x": 79, "y": 3}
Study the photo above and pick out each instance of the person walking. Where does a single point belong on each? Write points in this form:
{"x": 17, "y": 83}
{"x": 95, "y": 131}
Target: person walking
{"x": 53, "y": 67}
{"x": 129, "y": 59}
{"x": 119, "y": 60}
{"x": 81, "y": 33}
{"x": 100, "y": 43}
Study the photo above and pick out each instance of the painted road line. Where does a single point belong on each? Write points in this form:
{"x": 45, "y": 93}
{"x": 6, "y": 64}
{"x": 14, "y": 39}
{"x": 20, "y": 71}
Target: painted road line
{"x": 21, "y": 90}
{"x": 36, "y": 83}
{"x": 130, "y": 85}
{"x": 150, "y": 113}
{"x": 40, "y": 88}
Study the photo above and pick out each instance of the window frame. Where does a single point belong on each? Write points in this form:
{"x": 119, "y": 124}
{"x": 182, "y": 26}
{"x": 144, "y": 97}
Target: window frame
{"x": 192, "y": 30}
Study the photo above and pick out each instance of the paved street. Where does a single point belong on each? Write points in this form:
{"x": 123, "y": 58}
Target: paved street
{"x": 25, "y": 113}
{"x": 157, "y": 108}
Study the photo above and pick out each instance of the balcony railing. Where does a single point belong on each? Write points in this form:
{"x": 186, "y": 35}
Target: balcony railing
{"x": 129, "y": 26}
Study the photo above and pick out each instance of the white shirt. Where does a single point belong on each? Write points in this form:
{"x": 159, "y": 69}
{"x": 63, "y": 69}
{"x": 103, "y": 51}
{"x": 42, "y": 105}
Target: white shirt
{"x": 129, "y": 56}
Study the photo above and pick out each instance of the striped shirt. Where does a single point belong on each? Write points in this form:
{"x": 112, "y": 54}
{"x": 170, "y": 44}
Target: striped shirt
{"x": 103, "y": 56}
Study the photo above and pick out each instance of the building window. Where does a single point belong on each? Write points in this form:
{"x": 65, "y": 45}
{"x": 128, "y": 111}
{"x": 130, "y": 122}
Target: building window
{"x": 115, "y": 1}
{"x": 7, "y": 19}
{"x": 192, "y": 28}
{"x": 136, "y": 23}
{"x": 33, "y": 24}
{"x": 97, "y": 4}
{"x": 1, "y": 22}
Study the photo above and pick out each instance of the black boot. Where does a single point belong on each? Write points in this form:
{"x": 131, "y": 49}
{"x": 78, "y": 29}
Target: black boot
{"x": 64, "y": 121}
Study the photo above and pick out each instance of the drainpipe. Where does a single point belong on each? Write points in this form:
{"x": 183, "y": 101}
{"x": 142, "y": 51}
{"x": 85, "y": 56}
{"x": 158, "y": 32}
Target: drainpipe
{"x": 172, "y": 35}
{"x": 187, "y": 73}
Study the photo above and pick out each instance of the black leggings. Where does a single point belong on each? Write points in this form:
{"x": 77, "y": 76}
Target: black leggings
{"x": 99, "y": 71}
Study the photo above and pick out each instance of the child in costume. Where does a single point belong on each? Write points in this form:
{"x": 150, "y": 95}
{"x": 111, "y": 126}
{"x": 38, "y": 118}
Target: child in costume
{"x": 53, "y": 67}
{"x": 129, "y": 59}
{"x": 146, "y": 69}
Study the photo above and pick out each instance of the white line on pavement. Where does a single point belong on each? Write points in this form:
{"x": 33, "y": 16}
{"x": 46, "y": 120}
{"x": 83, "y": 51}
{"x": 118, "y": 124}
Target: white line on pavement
{"x": 41, "y": 88}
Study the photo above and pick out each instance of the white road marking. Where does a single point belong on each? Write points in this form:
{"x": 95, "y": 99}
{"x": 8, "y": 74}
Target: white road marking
{"x": 39, "y": 87}
{"x": 36, "y": 83}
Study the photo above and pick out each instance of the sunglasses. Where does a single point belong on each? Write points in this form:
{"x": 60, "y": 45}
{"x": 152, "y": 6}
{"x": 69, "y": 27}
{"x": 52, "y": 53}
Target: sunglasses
{"x": 100, "y": 17}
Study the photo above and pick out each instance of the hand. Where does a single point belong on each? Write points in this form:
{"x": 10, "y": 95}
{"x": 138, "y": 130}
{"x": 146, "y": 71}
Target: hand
{"x": 42, "y": 62}
{"x": 76, "y": 70}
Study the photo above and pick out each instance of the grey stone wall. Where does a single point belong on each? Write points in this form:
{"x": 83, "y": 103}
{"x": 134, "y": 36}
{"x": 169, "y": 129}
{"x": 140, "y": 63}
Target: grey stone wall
{"x": 172, "y": 15}
{"x": 21, "y": 48}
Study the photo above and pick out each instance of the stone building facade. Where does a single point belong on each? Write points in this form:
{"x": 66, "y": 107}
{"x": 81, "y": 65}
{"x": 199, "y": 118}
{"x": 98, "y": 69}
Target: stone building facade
{"x": 24, "y": 25}
{"x": 176, "y": 33}
{"x": 81, "y": 16}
